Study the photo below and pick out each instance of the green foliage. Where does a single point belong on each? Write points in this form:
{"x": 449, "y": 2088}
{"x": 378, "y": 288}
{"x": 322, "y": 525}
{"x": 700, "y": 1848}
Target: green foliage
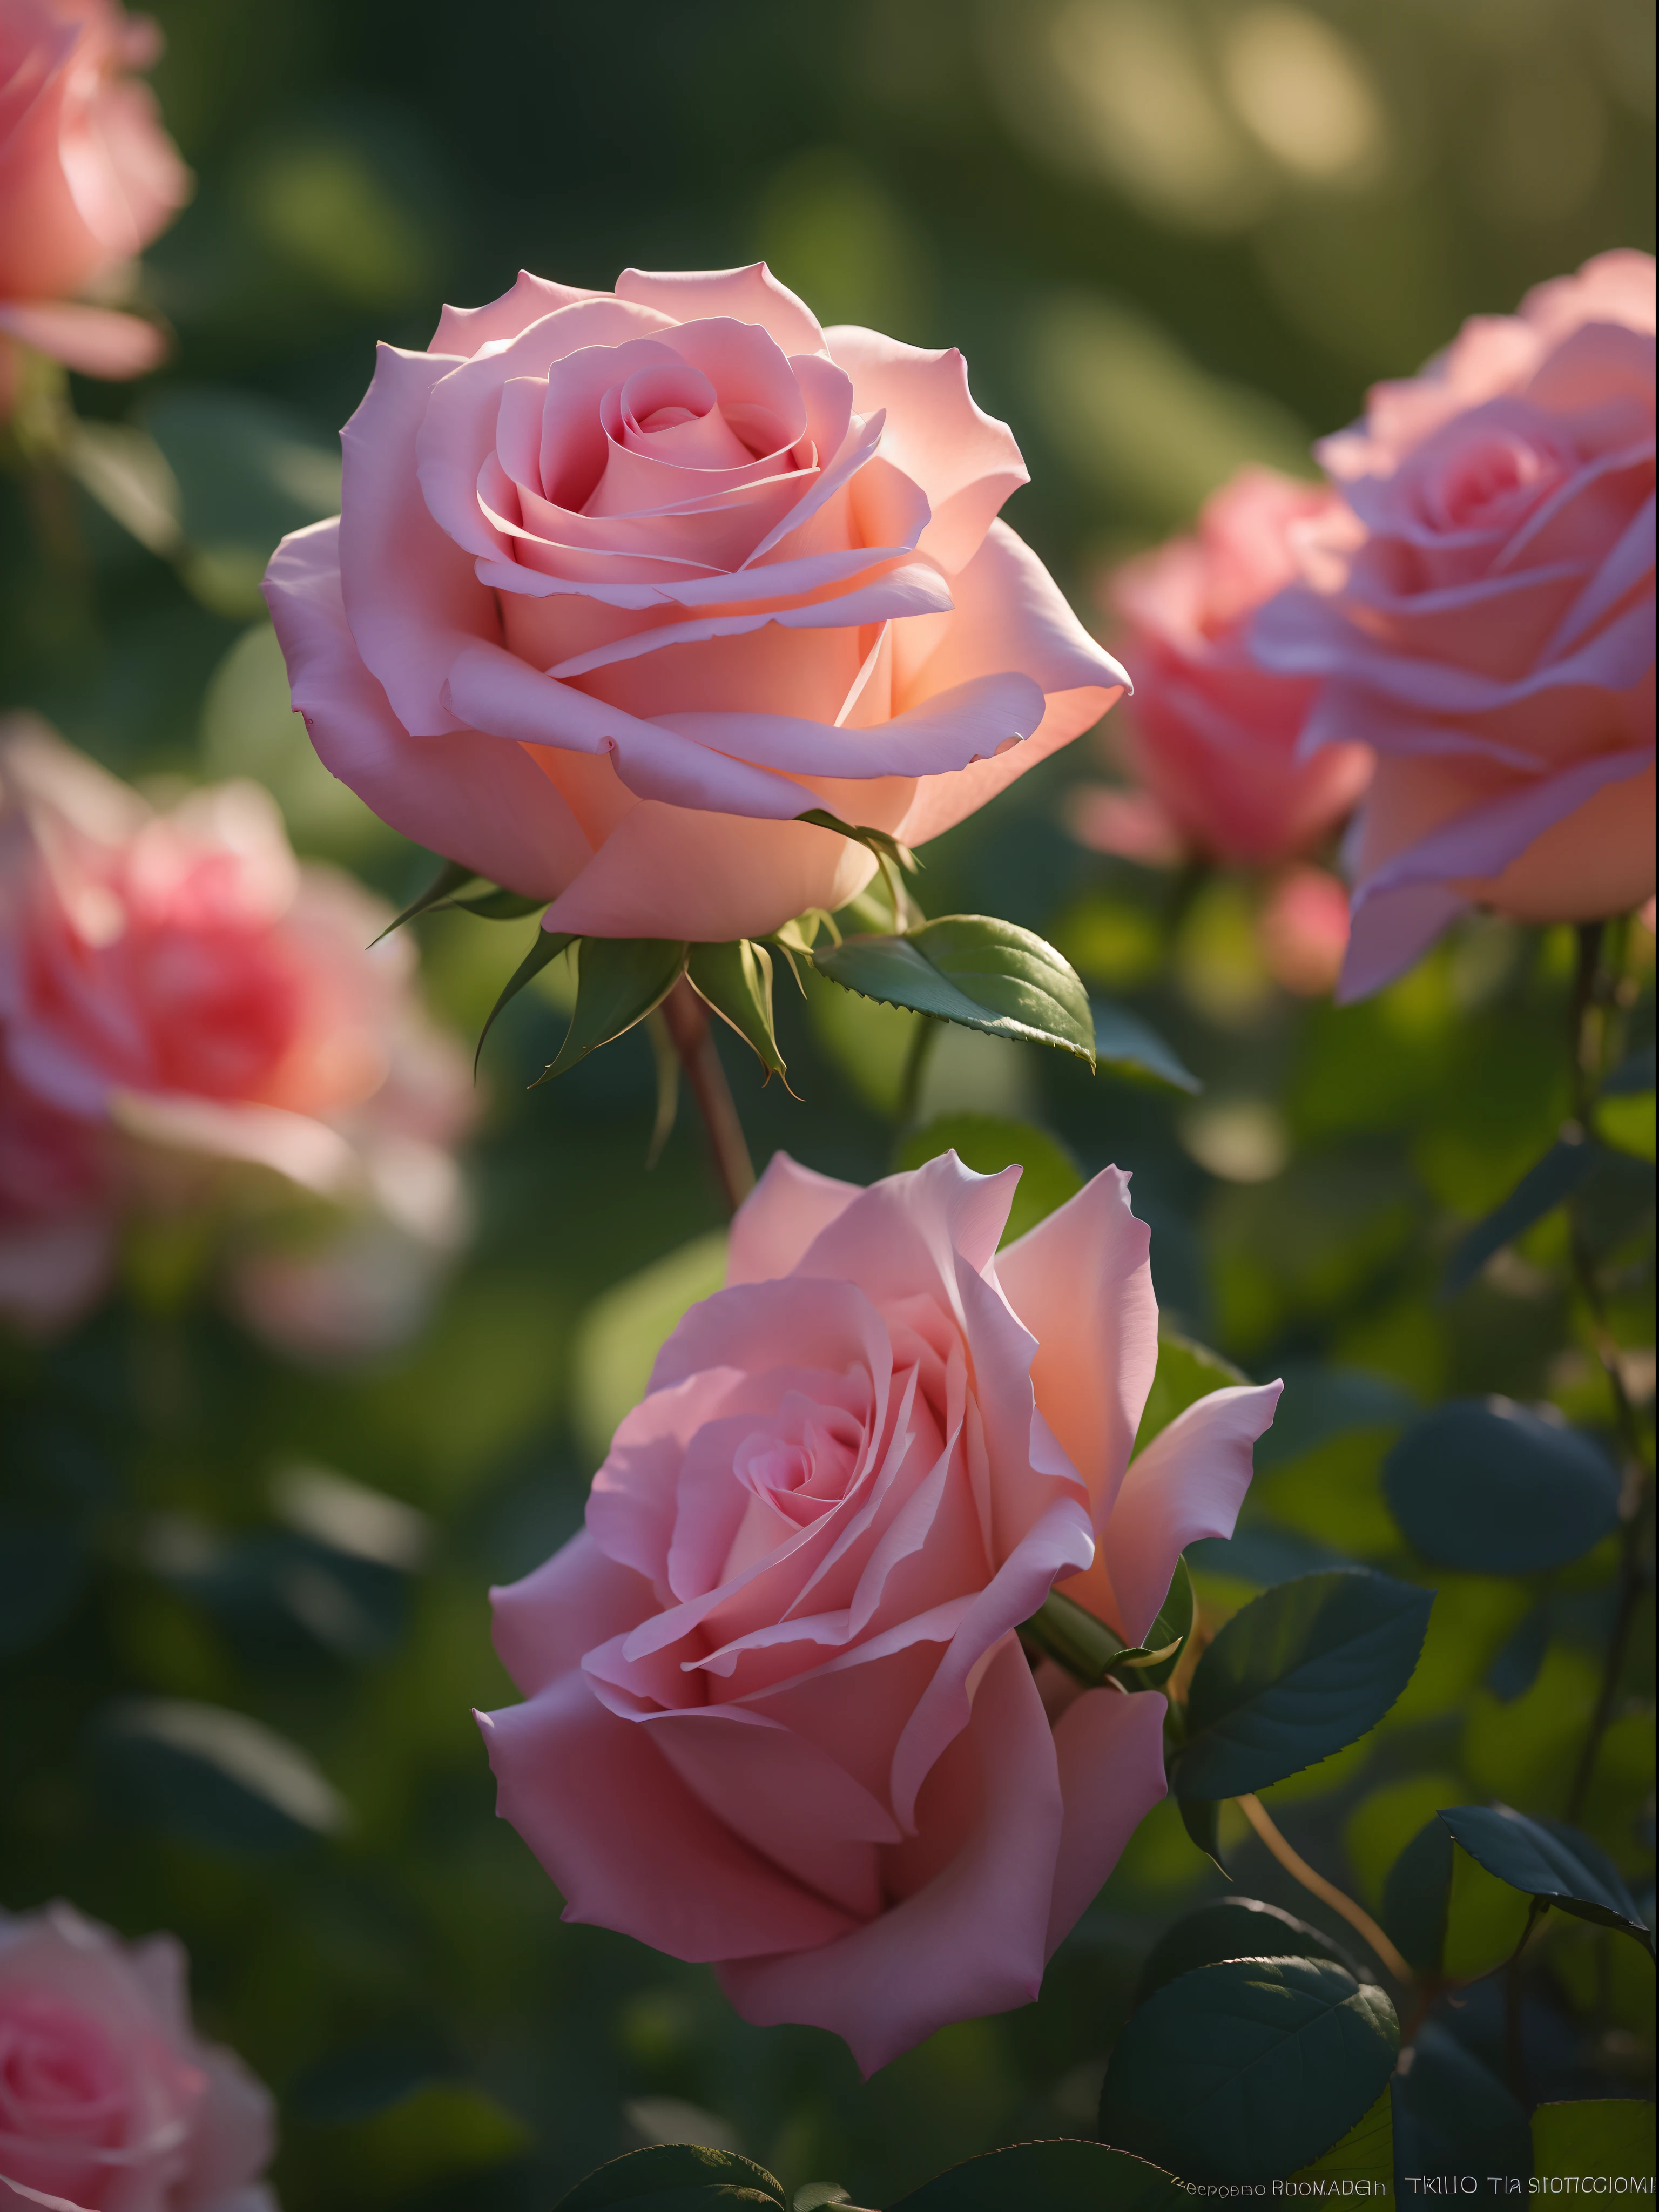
{"x": 1365, "y": 2154}
{"x": 1304, "y": 1670}
{"x": 620, "y": 980}
{"x": 986, "y": 1142}
{"x": 674, "y": 2178}
{"x": 1131, "y": 1048}
{"x": 1246, "y": 2069}
{"x": 1452, "y": 2115}
{"x": 1091, "y": 1652}
{"x": 735, "y": 981}
{"x": 1061, "y": 2177}
{"x": 1235, "y": 1927}
{"x": 549, "y": 945}
{"x": 987, "y": 974}
{"x": 1594, "y": 2138}
{"x": 1185, "y": 1373}
{"x": 1417, "y": 1898}
{"x": 1538, "y": 1192}
{"x": 1550, "y": 1862}
{"x": 1492, "y": 1488}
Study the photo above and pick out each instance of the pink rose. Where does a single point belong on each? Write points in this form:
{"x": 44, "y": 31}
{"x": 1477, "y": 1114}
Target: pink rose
{"x": 189, "y": 1018}
{"x": 624, "y": 582}
{"x": 88, "y": 177}
{"x": 1213, "y": 744}
{"x": 1492, "y": 635}
{"x": 108, "y": 2101}
{"x": 778, "y": 1716}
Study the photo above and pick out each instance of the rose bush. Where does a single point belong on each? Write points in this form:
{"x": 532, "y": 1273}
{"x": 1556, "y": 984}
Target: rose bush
{"x": 777, "y": 1714}
{"x": 109, "y": 2102}
{"x": 189, "y": 1025}
{"x": 1491, "y": 633}
{"x": 623, "y": 582}
{"x": 87, "y": 178}
{"x": 1212, "y": 743}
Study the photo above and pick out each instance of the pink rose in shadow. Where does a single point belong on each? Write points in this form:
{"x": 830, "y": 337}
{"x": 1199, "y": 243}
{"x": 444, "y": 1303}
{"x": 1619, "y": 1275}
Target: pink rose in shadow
{"x": 777, "y": 1714}
{"x": 1491, "y": 633}
{"x": 191, "y": 1026}
{"x": 1211, "y": 738}
{"x": 87, "y": 178}
{"x": 624, "y": 582}
{"x": 109, "y": 2102}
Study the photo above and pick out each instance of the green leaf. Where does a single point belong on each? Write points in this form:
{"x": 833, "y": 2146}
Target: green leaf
{"x": 881, "y": 843}
{"x": 1515, "y": 1669}
{"x": 439, "y": 892}
{"x": 1453, "y": 2115}
{"x": 1550, "y": 1861}
{"x": 440, "y": 2131}
{"x": 1245, "y": 2070}
{"x": 1324, "y": 1403}
{"x": 735, "y": 979}
{"x": 549, "y": 945}
{"x": 986, "y": 974}
{"x": 498, "y": 905}
{"x": 1626, "y": 1124}
{"x": 673, "y": 2178}
{"x": 1365, "y": 2154}
{"x": 1490, "y": 1487}
{"x": 986, "y": 1142}
{"x": 1131, "y": 1048}
{"x": 1301, "y": 1671}
{"x": 1201, "y": 1819}
{"x": 1149, "y": 1665}
{"x": 1058, "y": 2177}
{"x": 1540, "y": 1191}
{"x": 1186, "y": 1372}
{"x": 818, "y": 2196}
{"x": 1632, "y": 1076}
{"x": 1417, "y": 1898}
{"x": 1235, "y": 1927}
{"x": 1088, "y": 1650}
{"x": 619, "y": 981}
{"x": 1597, "y": 2138}
{"x": 213, "y": 1775}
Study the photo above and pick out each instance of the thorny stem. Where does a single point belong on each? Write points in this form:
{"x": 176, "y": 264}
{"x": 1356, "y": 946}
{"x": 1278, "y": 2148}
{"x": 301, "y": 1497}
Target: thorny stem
{"x": 688, "y": 1022}
{"x": 1298, "y": 1869}
{"x": 1595, "y": 996}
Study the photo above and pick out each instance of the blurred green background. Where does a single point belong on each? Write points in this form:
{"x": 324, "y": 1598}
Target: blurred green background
{"x": 1169, "y": 236}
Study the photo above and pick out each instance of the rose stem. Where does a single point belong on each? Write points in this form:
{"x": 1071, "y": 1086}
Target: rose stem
{"x": 916, "y": 1067}
{"x": 1594, "y": 993}
{"x": 1297, "y": 1868}
{"x": 688, "y": 1021}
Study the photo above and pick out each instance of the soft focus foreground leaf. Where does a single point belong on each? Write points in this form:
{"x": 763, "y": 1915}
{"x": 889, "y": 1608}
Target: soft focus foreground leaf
{"x": 620, "y": 980}
{"x": 1452, "y": 2116}
{"x": 987, "y": 975}
{"x": 130, "y": 477}
{"x": 440, "y": 2129}
{"x": 1515, "y": 1669}
{"x": 1417, "y": 1897}
{"x": 1245, "y": 2070}
{"x": 1059, "y": 2177}
{"x": 673, "y": 2178}
{"x": 1596, "y": 2138}
{"x": 1235, "y": 1927}
{"x": 735, "y": 981}
{"x": 546, "y": 949}
{"x": 1365, "y": 2154}
{"x": 1303, "y": 1670}
{"x": 1538, "y": 1192}
{"x": 1131, "y": 1048}
{"x": 985, "y": 1142}
{"x": 452, "y": 876}
{"x": 43, "y": 1572}
{"x": 1491, "y": 1487}
{"x": 213, "y": 1775}
{"x": 1549, "y": 1861}
{"x": 1186, "y": 1372}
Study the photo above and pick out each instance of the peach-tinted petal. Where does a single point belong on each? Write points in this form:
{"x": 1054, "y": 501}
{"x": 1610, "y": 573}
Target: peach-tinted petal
{"x": 773, "y": 1228}
{"x": 748, "y": 295}
{"x": 965, "y": 460}
{"x": 629, "y": 1845}
{"x": 1081, "y": 1282}
{"x": 1110, "y": 1749}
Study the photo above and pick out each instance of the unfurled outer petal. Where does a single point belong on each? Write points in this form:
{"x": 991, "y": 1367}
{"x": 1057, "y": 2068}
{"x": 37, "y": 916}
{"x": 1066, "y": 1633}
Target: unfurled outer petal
{"x": 965, "y": 460}
{"x": 974, "y": 1939}
{"x": 1189, "y": 1482}
{"x": 1110, "y": 1749}
{"x": 1081, "y": 1282}
{"x": 773, "y": 1228}
{"x": 476, "y": 798}
{"x": 748, "y": 295}
{"x": 574, "y": 1601}
{"x": 629, "y": 1845}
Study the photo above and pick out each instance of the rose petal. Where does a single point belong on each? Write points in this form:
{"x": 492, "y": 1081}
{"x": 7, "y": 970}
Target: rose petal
{"x": 1109, "y": 1750}
{"x": 577, "y": 1599}
{"x": 629, "y": 1843}
{"x": 773, "y": 1228}
{"x": 748, "y": 295}
{"x": 96, "y": 340}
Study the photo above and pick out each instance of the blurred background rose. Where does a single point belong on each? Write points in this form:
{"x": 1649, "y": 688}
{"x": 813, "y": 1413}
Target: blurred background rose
{"x": 1172, "y": 238}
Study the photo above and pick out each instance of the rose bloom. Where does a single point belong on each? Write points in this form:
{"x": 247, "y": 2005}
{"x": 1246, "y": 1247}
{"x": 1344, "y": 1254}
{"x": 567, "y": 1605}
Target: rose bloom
{"x": 87, "y": 178}
{"x": 108, "y": 2101}
{"x": 626, "y": 581}
{"x": 1492, "y": 635}
{"x": 777, "y": 1714}
{"x": 191, "y": 1027}
{"x": 1212, "y": 742}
